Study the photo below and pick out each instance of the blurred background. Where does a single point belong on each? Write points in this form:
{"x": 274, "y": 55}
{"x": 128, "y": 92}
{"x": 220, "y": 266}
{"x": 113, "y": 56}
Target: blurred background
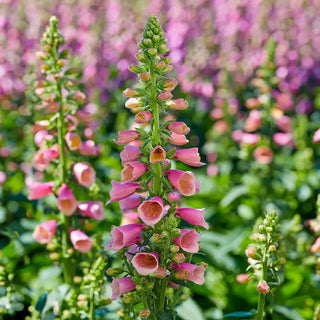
{"x": 250, "y": 70}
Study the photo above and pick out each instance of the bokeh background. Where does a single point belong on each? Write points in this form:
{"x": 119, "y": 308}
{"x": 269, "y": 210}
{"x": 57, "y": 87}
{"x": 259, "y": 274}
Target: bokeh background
{"x": 250, "y": 70}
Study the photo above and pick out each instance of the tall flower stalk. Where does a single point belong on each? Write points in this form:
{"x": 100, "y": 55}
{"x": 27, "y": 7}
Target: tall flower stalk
{"x": 59, "y": 159}
{"x": 264, "y": 261}
{"x": 156, "y": 253}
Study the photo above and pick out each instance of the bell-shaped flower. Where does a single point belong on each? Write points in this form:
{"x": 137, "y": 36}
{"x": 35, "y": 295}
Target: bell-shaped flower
{"x": 44, "y": 232}
{"x": 39, "y": 190}
{"x": 66, "y": 202}
{"x": 157, "y": 154}
{"x": 193, "y": 216}
{"x": 185, "y": 182}
{"x": 132, "y": 171}
{"x": 193, "y": 272}
{"x": 188, "y": 241}
{"x": 178, "y": 139}
{"x": 130, "y": 203}
{"x": 121, "y": 286}
{"x": 130, "y": 154}
{"x": 189, "y": 156}
{"x": 124, "y": 236}
{"x": 81, "y": 242}
{"x": 84, "y": 173}
{"x": 73, "y": 140}
{"x": 145, "y": 262}
{"x": 179, "y": 127}
{"x": 92, "y": 209}
{"x": 151, "y": 211}
{"x": 121, "y": 191}
{"x": 125, "y": 137}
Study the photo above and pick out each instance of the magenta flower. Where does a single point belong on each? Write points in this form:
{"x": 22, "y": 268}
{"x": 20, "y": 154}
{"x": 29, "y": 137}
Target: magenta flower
{"x": 189, "y": 156}
{"x": 132, "y": 171}
{"x": 81, "y": 242}
{"x": 121, "y": 191}
{"x": 143, "y": 117}
{"x": 130, "y": 203}
{"x": 66, "y": 202}
{"x": 151, "y": 211}
{"x": 92, "y": 209}
{"x": 43, "y": 157}
{"x": 39, "y": 190}
{"x": 283, "y": 139}
{"x": 188, "y": 241}
{"x": 124, "y": 236}
{"x": 130, "y": 154}
{"x": 84, "y": 173}
{"x": 193, "y": 216}
{"x": 121, "y": 286}
{"x": 125, "y": 137}
{"x": 145, "y": 263}
{"x": 183, "y": 181}
{"x": 194, "y": 273}
{"x": 44, "y": 232}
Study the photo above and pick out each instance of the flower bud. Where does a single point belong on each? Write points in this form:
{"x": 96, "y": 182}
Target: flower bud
{"x": 145, "y": 76}
{"x": 160, "y": 273}
{"x": 144, "y": 314}
{"x": 179, "y": 257}
{"x": 263, "y": 287}
{"x": 174, "y": 248}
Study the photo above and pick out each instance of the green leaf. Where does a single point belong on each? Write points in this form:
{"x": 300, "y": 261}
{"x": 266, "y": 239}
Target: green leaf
{"x": 234, "y": 194}
{"x": 189, "y": 310}
{"x": 288, "y": 312}
{"x": 41, "y": 301}
{"x": 239, "y": 314}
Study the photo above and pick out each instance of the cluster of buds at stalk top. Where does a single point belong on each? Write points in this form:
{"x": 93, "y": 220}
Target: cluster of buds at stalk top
{"x": 264, "y": 259}
{"x": 61, "y": 156}
{"x": 156, "y": 253}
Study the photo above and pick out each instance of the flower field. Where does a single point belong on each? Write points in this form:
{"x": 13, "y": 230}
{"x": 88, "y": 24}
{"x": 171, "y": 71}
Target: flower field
{"x": 159, "y": 159}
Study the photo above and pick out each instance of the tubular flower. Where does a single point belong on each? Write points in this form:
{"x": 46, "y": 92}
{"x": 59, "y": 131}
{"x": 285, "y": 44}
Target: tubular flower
{"x": 121, "y": 286}
{"x": 44, "y": 232}
{"x": 84, "y": 174}
{"x": 81, "y": 241}
{"x": 151, "y": 247}
{"x": 66, "y": 203}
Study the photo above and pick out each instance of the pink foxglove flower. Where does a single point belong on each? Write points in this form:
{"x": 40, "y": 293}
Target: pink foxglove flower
{"x": 145, "y": 263}
{"x": 263, "y": 288}
{"x": 193, "y": 216}
{"x": 188, "y": 241}
{"x": 189, "y": 156}
{"x": 263, "y": 155}
{"x": 157, "y": 155}
{"x": 179, "y": 128}
{"x": 121, "y": 286}
{"x": 185, "y": 182}
{"x": 194, "y": 273}
{"x": 121, "y": 191}
{"x": 3, "y": 178}
{"x": 66, "y": 202}
{"x": 81, "y": 241}
{"x": 125, "y": 137}
{"x": 73, "y": 141}
{"x": 44, "y": 232}
{"x": 316, "y": 136}
{"x": 130, "y": 203}
{"x": 283, "y": 139}
{"x": 39, "y": 190}
{"x": 130, "y": 154}
{"x": 178, "y": 139}
{"x": 143, "y": 117}
{"x": 151, "y": 211}
{"x": 92, "y": 209}
{"x": 124, "y": 236}
{"x": 132, "y": 171}
{"x": 84, "y": 173}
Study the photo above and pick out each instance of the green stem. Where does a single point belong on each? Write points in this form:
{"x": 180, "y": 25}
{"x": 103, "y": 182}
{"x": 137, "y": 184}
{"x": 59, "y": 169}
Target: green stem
{"x": 63, "y": 171}
{"x": 91, "y": 311}
{"x": 155, "y": 129}
{"x": 262, "y": 296}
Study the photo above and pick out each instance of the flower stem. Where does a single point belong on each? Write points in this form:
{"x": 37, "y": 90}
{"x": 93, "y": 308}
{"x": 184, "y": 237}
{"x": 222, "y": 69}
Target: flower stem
{"x": 262, "y": 296}
{"x": 63, "y": 171}
{"x": 91, "y": 311}
{"x": 155, "y": 129}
